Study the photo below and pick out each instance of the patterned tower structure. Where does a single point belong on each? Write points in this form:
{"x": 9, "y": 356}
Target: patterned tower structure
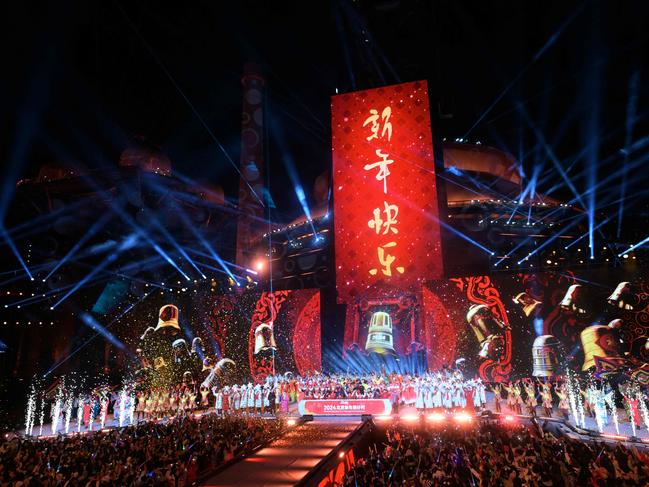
{"x": 251, "y": 186}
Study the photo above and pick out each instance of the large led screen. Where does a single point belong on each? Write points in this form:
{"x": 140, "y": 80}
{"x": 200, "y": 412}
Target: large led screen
{"x": 386, "y": 223}
{"x": 508, "y": 326}
{"x": 238, "y": 337}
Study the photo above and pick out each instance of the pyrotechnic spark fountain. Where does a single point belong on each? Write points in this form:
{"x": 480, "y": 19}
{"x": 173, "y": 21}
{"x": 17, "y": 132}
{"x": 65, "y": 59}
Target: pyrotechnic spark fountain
{"x": 594, "y": 397}
{"x": 574, "y": 397}
{"x": 42, "y": 416}
{"x": 616, "y": 421}
{"x": 68, "y": 413}
{"x": 56, "y": 410}
{"x": 611, "y": 403}
{"x": 643, "y": 409}
{"x": 92, "y": 418}
{"x": 30, "y": 414}
{"x": 122, "y": 407}
{"x": 104, "y": 411}
{"x": 79, "y": 413}
{"x": 131, "y": 409}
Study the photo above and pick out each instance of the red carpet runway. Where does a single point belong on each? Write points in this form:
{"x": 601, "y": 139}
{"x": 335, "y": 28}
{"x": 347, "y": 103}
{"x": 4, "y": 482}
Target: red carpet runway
{"x": 288, "y": 459}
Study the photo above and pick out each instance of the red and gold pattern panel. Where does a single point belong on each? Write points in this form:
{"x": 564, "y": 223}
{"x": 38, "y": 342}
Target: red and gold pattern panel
{"x": 295, "y": 319}
{"x": 385, "y": 199}
{"x": 481, "y": 290}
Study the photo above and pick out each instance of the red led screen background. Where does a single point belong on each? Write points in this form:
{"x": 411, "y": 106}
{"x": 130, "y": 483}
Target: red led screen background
{"x": 295, "y": 319}
{"x": 385, "y": 202}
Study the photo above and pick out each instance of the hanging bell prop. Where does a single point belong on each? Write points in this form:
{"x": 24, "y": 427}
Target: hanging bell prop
{"x": 572, "y": 301}
{"x": 598, "y": 341}
{"x": 180, "y": 349}
{"x": 622, "y": 297}
{"x": 379, "y": 334}
{"x": 545, "y": 356}
{"x": 264, "y": 338}
{"x": 158, "y": 363}
{"x": 197, "y": 347}
{"x": 168, "y": 318}
{"x": 487, "y": 329}
{"x": 527, "y": 302}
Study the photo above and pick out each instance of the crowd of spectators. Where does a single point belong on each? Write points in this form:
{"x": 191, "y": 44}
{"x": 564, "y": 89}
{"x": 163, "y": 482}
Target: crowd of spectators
{"x": 173, "y": 453}
{"x": 495, "y": 455}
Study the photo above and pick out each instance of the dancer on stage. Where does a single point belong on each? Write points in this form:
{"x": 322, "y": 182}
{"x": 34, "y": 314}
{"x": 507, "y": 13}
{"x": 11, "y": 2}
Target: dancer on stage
{"x": 546, "y": 398}
{"x": 562, "y": 394}
{"x": 530, "y": 401}
{"x": 496, "y": 389}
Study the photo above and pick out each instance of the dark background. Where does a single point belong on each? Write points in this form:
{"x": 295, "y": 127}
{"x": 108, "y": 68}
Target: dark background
{"x": 82, "y": 78}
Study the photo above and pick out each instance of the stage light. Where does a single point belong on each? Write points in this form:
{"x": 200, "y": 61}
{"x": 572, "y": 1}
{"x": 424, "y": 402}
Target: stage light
{"x": 437, "y": 417}
{"x": 463, "y": 417}
{"x": 509, "y": 418}
{"x": 384, "y": 418}
{"x": 341, "y": 454}
{"x": 259, "y": 265}
{"x": 615, "y": 437}
{"x": 410, "y": 417}
{"x": 291, "y": 422}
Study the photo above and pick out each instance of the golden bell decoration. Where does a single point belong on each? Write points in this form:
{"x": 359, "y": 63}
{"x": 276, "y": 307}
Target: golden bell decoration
{"x": 159, "y": 362}
{"x": 572, "y": 299}
{"x": 483, "y": 323}
{"x": 264, "y": 338}
{"x": 545, "y": 356}
{"x": 598, "y": 341}
{"x": 487, "y": 329}
{"x": 168, "y": 318}
{"x": 527, "y": 302}
{"x": 622, "y": 296}
{"x": 379, "y": 334}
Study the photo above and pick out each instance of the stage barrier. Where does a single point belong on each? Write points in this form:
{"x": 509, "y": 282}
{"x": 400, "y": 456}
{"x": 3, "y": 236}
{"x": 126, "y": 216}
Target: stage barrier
{"x": 344, "y": 407}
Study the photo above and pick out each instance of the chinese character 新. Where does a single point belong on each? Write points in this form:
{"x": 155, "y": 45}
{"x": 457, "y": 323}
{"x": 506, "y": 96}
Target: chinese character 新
{"x": 375, "y": 126}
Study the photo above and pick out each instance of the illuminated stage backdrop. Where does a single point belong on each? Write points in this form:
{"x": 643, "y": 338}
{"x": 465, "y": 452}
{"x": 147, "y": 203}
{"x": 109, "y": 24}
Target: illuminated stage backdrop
{"x": 385, "y": 204}
{"x": 255, "y": 328}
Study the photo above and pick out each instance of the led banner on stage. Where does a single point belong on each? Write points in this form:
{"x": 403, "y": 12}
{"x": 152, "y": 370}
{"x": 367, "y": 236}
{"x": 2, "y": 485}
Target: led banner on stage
{"x": 344, "y": 407}
{"x": 385, "y": 201}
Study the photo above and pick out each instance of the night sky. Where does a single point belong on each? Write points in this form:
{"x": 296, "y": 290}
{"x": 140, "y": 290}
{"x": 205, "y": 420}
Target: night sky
{"x": 82, "y": 79}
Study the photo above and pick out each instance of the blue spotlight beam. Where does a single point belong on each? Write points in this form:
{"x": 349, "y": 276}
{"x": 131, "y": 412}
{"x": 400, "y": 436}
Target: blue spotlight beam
{"x": 633, "y": 247}
{"x": 187, "y": 100}
{"x": 529, "y": 239}
{"x": 551, "y": 40}
{"x": 549, "y": 241}
{"x": 87, "y": 236}
{"x": 552, "y": 156}
{"x": 289, "y": 165}
{"x": 125, "y": 245}
{"x": 631, "y": 108}
{"x": 83, "y": 345}
{"x": 461, "y": 235}
{"x": 15, "y": 251}
{"x": 578, "y": 239}
{"x": 91, "y": 322}
{"x": 201, "y": 238}
{"x": 177, "y": 246}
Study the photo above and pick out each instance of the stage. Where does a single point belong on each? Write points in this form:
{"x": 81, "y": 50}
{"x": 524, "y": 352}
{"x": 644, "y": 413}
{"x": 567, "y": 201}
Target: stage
{"x": 288, "y": 459}
{"x": 405, "y": 412}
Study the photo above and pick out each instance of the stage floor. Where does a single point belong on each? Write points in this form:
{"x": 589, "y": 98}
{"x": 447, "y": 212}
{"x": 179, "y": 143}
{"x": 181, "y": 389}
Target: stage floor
{"x": 288, "y": 459}
{"x": 624, "y": 427}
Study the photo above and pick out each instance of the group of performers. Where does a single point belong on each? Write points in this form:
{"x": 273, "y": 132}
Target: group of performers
{"x": 161, "y": 403}
{"x": 525, "y": 393}
{"x": 443, "y": 389}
